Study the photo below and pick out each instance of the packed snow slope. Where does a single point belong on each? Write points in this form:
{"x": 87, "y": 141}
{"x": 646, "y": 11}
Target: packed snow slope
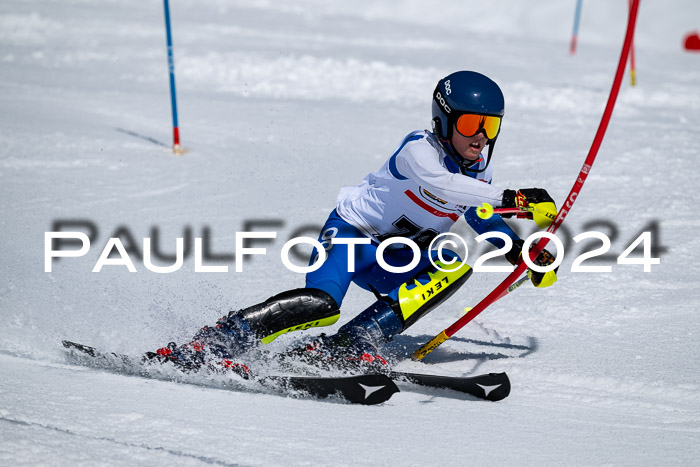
{"x": 281, "y": 104}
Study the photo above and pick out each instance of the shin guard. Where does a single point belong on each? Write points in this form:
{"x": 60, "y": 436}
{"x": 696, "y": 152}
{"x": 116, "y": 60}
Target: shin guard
{"x": 428, "y": 289}
{"x": 293, "y": 310}
{"x": 242, "y": 330}
{"x": 387, "y": 317}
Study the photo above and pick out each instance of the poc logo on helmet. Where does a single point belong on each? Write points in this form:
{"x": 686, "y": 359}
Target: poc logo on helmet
{"x": 448, "y": 90}
{"x": 441, "y": 100}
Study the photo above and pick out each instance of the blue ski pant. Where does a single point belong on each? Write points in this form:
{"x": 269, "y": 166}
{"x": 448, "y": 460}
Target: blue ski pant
{"x": 333, "y": 276}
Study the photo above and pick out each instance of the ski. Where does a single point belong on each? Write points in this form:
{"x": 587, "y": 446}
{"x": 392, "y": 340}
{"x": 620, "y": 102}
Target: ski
{"x": 367, "y": 389}
{"x": 491, "y": 386}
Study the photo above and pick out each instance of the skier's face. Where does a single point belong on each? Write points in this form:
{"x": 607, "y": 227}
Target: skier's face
{"x": 469, "y": 147}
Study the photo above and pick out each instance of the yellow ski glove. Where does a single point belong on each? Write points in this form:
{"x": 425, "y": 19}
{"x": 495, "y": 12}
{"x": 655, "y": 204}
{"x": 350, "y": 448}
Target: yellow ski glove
{"x": 545, "y": 258}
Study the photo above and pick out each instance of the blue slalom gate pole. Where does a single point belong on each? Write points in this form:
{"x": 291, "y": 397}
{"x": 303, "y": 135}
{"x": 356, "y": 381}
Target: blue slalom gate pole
{"x": 171, "y": 67}
{"x": 577, "y": 19}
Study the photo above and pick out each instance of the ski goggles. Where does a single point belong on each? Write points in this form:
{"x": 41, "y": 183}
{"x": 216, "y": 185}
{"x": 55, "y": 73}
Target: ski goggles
{"x": 470, "y": 124}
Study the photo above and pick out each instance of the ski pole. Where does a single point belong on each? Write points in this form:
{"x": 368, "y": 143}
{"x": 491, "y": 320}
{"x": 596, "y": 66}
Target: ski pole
{"x": 515, "y": 285}
{"x": 485, "y": 210}
{"x": 542, "y": 216}
{"x": 498, "y": 292}
{"x": 171, "y": 68}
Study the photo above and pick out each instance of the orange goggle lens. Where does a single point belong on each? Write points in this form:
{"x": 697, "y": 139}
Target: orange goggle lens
{"x": 470, "y": 124}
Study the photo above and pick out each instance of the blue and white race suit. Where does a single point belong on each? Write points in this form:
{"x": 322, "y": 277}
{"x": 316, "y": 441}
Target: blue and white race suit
{"x": 418, "y": 193}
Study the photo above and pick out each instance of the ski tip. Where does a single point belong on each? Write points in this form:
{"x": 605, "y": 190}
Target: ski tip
{"x": 490, "y": 386}
{"x": 79, "y": 347}
{"x": 69, "y": 344}
{"x": 498, "y": 388}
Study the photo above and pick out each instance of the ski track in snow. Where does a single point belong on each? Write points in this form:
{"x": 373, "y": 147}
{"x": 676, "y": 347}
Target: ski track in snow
{"x": 280, "y": 105}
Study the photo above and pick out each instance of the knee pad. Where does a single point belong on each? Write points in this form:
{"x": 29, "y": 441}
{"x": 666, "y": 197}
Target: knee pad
{"x": 428, "y": 289}
{"x": 289, "y": 311}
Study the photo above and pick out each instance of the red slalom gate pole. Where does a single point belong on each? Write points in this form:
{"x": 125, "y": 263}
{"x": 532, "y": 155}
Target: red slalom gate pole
{"x": 498, "y": 292}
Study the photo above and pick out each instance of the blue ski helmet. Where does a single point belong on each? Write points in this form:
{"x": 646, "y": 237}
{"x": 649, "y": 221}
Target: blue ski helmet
{"x": 464, "y": 92}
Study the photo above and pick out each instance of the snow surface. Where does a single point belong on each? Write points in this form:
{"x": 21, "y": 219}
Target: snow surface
{"x": 282, "y": 103}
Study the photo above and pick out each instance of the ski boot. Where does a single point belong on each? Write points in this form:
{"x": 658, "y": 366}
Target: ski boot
{"x": 324, "y": 353}
{"x": 359, "y": 341}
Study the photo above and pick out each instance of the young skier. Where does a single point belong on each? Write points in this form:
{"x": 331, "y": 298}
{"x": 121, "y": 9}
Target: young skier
{"x": 432, "y": 179}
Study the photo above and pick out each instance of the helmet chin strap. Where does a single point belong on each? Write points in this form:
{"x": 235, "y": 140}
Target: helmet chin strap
{"x": 492, "y": 143}
{"x": 462, "y": 163}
